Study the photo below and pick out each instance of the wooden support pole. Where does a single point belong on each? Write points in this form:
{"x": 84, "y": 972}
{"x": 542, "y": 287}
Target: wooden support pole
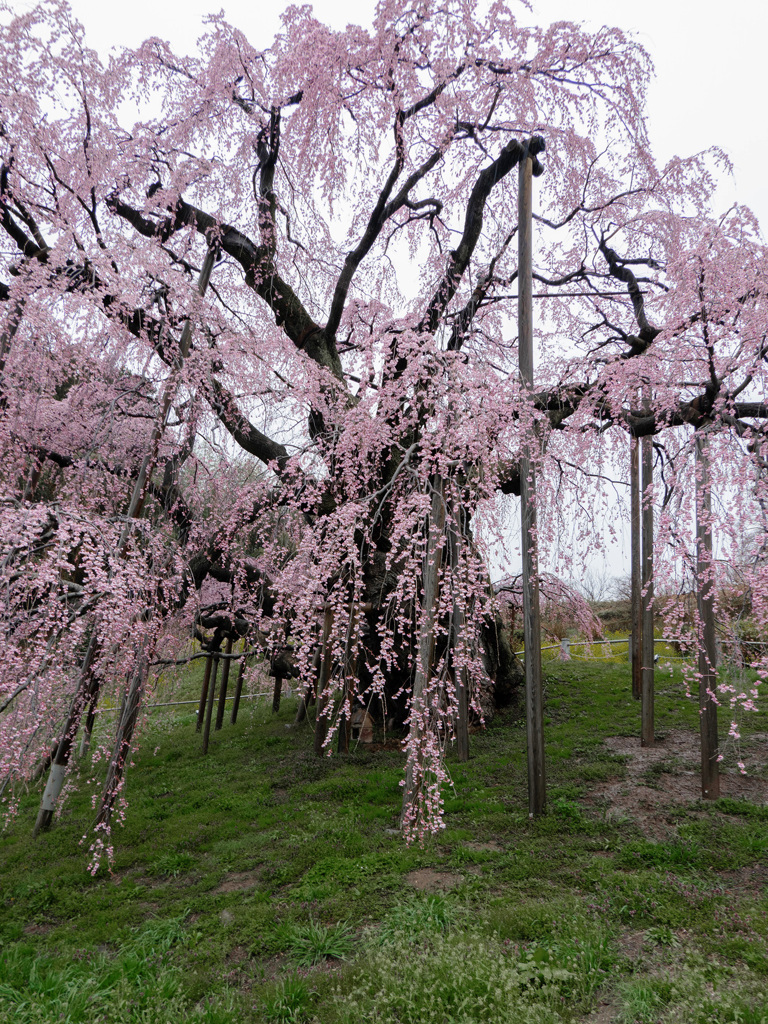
{"x": 123, "y": 737}
{"x": 537, "y": 789}
{"x": 705, "y": 580}
{"x": 88, "y": 690}
{"x": 209, "y": 704}
{"x": 321, "y": 721}
{"x": 305, "y": 698}
{"x": 204, "y": 693}
{"x": 426, "y": 653}
{"x": 277, "y": 693}
{"x": 460, "y": 680}
{"x": 350, "y": 675}
{"x": 239, "y": 684}
{"x": 636, "y": 638}
{"x": 647, "y": 727}
{"x": 85, "y": 738}
{"x": 223, "y": 688}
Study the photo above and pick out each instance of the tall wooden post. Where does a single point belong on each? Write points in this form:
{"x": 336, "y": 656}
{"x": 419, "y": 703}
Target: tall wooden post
{"x": 637, "y": 617}
{"x": 277, "y": 692}
{"x": 120, "y": 753}
{"x": 647, "y": 728}
{"x": 87, "y": 693}
{"x": 85, "y": 738}
{"x": 705, "y": 586}
{"x": 321, "y": 721}
{"x": 224, "y": 683}
{"x": 460, "y": 680}
{"x": 239, "y": 683}
{"x": 204, "y": 693}
{"x": 426, "y": 653}
{"x": 209, "y": 704}
{"x": 537, "y": 792}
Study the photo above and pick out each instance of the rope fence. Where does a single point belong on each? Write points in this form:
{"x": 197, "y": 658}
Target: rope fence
{"x": 178, "y": 703}
{"x": 564, "y": 646}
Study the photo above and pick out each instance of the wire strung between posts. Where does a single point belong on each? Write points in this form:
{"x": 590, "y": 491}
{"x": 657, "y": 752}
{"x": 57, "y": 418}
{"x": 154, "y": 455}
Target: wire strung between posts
{"x": 178, "y": 703}
{"x": 221, "y": 655}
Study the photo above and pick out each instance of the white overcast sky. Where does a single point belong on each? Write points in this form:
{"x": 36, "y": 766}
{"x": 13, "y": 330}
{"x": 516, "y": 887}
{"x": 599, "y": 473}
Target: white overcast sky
{"x": 711, "y": 86}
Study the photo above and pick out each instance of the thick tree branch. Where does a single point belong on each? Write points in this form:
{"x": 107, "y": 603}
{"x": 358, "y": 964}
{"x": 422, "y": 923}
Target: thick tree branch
{"x": 260, "y": 274}
{"x": 510, "y": 156}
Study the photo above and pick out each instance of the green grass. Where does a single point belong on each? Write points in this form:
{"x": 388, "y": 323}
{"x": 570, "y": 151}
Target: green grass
{"x": 261, "y": 884}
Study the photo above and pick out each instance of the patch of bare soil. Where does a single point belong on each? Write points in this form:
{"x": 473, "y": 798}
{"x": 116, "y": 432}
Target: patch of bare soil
{"x": 37, "y": 929}
{"x": 606, "y": 1012}
{"x": 748, "y": 880}
{"x": 666, "y": 776}
{"x": 429, "y": 880}
{"x": 240, "y": 880}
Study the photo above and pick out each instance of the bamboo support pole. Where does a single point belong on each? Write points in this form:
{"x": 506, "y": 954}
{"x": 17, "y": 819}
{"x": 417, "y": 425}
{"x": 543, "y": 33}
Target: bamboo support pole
{"x": 87, "y": 693}
{"x": 123, "y": 738}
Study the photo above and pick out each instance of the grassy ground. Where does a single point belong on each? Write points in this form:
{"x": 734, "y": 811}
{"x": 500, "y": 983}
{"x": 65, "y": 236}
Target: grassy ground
{"x": 262, "y": 884}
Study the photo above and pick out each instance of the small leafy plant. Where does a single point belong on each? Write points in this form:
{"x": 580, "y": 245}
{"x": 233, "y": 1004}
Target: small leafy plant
{"x": 171, "y": 865}
{"x": 311, "y": 943}
{"x": 290, "y": 1002}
